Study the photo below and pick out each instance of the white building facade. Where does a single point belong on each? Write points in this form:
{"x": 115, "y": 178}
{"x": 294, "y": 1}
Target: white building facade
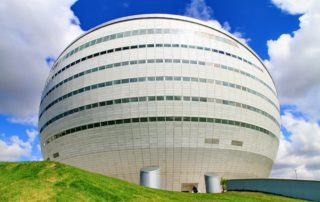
{"x": 161, "y": 90}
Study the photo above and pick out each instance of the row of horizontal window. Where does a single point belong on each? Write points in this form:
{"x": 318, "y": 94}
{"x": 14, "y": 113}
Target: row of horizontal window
{"x": 152, "y": 46}
{"x": 134, "y": 62}
{"x": 155, "y": 78}
{"x": 142, "y": 32}
{"x": 160, "y": 119}
{"x": 121, "y": 64}
{"x": 157, "y": 98}
{"x": 246, "y": 74}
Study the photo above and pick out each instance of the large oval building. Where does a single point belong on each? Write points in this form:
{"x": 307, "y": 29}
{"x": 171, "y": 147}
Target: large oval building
{"x": 161, "y": 90}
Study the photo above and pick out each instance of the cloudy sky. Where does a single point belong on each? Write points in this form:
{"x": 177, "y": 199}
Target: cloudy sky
{"x": 285, "y": 33}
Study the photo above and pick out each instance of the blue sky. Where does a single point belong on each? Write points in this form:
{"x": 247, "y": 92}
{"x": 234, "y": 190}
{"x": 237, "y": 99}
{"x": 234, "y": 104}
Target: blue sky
{"x": 246, "y": 16}
{"x": 284, "y": 33}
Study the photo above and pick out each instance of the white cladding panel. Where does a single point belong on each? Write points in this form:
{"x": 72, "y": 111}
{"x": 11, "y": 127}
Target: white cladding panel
{"x": 161, "y": 90}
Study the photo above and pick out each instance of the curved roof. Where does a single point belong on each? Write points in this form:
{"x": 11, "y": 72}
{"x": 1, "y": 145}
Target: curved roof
{"x": 172, "y": 17}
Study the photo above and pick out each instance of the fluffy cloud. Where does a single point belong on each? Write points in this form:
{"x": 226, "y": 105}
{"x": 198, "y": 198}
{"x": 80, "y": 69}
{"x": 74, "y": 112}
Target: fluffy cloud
{"x": 294, "y": 58}
{"x": 294, "y": 6}
{"x": 200, "y": 10}
{"x": 15, "y": 148}
{"x": 299, "y": 153}
{"x": 31, "y": 32}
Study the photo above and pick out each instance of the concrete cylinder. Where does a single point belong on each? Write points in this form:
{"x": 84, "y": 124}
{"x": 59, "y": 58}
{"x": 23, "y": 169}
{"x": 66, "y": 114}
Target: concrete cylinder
{"x": 212, "y": 182}
{"x": 150, "y": 177}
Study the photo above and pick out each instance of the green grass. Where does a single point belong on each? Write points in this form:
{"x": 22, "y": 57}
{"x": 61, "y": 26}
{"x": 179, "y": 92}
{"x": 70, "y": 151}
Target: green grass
{"x": 52, "y": 181}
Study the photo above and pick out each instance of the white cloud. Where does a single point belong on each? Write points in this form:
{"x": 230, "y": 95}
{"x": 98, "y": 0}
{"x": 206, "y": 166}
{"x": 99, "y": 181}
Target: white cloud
{"x": 25, "y": 120}
{"x": 294, "y": 64}
{"x": 240, "y": 37}
{"x": 31, "y": 31}
{"x": 15, "y": 148}
{"x": 200, "y": 10}
{"x": 294, "y": 58}
{"x": 300, "y": 152}
{"x": 294, "y": 6}
{"x": 32, "y": 134}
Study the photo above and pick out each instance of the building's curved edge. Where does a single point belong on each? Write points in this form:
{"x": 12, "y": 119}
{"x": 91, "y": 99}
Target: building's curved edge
{"x": 174, "y": 17}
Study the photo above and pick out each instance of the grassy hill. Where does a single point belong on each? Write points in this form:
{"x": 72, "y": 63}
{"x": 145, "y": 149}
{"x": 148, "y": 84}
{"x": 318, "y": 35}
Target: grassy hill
{"x": 52, "y": 181}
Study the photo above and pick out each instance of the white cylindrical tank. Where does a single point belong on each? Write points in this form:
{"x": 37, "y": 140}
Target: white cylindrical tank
{"x": 150, "y": 177}
{"x": 212, "y": 182}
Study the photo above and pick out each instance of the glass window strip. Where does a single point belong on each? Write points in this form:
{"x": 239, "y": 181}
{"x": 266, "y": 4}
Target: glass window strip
{"x": 158, "y": 98}
{"x": 141, "y": 32}
{"x": 139, "y": 46}
{"x": 151, "y": 79}
{"x": 113, "y": 65}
